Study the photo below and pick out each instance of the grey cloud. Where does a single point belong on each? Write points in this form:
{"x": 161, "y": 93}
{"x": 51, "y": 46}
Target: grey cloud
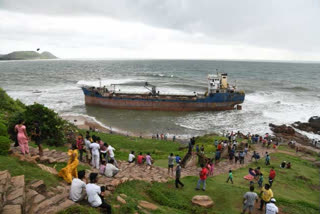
{"x": 286, "y": 24}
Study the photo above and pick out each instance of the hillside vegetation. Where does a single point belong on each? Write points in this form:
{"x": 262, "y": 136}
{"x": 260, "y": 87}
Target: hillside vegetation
{"x": 27, "y": 55}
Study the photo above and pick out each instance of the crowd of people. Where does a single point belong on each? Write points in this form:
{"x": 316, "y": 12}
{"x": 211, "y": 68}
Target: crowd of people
{"x": 101, "y": 155}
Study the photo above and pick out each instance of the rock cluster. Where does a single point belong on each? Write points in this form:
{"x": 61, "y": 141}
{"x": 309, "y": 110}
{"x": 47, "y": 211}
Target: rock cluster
{"x": 17, "y": 197}
{"x": 313, "y": 125}
{"x": 202, "y": 200}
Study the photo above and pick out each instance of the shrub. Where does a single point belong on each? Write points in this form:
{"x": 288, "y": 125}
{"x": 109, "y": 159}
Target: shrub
{"x": 3, "y": 129}
{"x": 4, "y": 145}
{"x": 53, "y": 127}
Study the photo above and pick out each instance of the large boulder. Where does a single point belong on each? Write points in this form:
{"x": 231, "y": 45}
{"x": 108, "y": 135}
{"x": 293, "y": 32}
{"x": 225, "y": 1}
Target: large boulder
{"x": 202, "y": 200}
{"x": 147, "y": 205}
{"x": 283, "y": 129}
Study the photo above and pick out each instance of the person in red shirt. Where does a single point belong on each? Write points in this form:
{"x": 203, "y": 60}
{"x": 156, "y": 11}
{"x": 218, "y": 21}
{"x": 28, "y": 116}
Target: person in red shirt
{"x": 272, "y": 175}
{"x": 219, "y": 146}
{"x": 80, "y": 144}
{"x": 203, "y": 177}
{"x": 140, "y": 158}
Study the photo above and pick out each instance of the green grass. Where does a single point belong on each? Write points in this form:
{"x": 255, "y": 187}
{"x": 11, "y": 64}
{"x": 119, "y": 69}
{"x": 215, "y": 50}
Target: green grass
{"x": 45, "y": 146}
{"x": 29, "y": 170}
{"x": 158, "y": 149}
{"x": 296, "y": 190}
{"x": 76, "y": 209}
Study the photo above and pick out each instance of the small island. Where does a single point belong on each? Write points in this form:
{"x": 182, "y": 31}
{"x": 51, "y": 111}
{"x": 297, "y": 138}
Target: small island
{"x": 27, "y": 55}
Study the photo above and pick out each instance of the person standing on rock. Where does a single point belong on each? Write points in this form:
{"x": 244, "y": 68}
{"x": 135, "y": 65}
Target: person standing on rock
{"x": 87, "y": 143}
{"x": 203, "y": 177}
{"x": 22, "y": 137}
{"x": 70, "y": 171}
{"x": 110, "y": 151}
{"x": 80, "y": 144}
{"x": 96, "y": 194}
{"x": 95, "y": 147}
{"x": 78, "y": 187}
{"x": 249, "y": 200}
{"x": 178, "y": 175}
{"x": 170, "y": 163}
{"x": 36, "y": 135}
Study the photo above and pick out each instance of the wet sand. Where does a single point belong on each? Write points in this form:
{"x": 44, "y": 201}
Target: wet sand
{"x": 87, "y": 123}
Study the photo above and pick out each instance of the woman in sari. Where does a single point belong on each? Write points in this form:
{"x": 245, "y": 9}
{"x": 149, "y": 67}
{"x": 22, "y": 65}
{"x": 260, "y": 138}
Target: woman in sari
{"x": 70, "y": 171}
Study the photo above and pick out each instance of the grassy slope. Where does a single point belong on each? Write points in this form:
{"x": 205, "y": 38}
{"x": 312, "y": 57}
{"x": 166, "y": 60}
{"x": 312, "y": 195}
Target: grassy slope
{"x": 294, "y": 193}
{"x": 29, "y": 170}
{"x": 158, "y": 149}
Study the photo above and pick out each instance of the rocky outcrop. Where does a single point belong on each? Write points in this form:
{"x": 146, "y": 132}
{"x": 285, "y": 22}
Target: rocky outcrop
{"x": 202, "y": 200}
{"x": 283, "y": 129}
{"x": 313, "y": 125}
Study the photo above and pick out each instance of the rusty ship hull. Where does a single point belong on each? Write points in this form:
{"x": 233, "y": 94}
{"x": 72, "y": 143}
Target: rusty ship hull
{"x": 212, "y": 102}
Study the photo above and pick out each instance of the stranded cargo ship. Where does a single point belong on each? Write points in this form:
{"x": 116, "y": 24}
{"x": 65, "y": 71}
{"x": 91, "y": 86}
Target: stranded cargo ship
{"x": 219, "y": 96}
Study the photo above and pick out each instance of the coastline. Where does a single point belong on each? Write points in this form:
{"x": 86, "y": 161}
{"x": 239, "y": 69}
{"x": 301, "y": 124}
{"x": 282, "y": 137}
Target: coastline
{"x": 89, "y": 123}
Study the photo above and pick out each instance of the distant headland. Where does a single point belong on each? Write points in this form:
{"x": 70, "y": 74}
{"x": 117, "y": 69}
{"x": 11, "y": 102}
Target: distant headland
{"x": 27, "y": 55}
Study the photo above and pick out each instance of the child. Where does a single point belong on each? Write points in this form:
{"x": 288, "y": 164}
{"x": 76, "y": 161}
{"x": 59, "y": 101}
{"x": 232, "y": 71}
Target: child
{"x": 267, "y": 159}
{"x": 102, "y": 167}
{"x": 260, "y": 181}
{"x": 230, "y": 177}
{"x": 212, "y": 167}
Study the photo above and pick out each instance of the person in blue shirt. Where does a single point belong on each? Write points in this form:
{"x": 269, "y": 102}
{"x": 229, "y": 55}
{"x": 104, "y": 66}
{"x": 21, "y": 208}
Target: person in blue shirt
{"x": 178, "y": 159}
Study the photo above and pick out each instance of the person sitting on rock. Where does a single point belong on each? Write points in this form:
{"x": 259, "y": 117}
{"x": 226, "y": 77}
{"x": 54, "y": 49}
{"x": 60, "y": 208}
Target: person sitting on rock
{"x": 96, "y": 194}
{"x": 111, "y": 170}
{"x": 149, "y": 160}
{"x": 102, "y": 167}
{"x": 140, "y": 159}
{"x": 131, "y": 158}
{"x": 289, "y": 165}
{"x": 283, "y": 164}
{"x": 78, "y": 186}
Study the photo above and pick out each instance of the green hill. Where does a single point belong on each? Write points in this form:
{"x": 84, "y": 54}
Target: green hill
{"x": 27, "y": 55}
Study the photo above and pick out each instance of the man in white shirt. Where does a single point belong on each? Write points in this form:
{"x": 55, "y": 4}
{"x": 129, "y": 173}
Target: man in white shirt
{"x": 131, "y": 158}
{"x": 96, "y": 194}
{"x": 110, "y": 150}
{"x": 110, "y": 169}
{"x": 88, "y": 150}
{"x": 95, "y": 152}
{"x": 78, "y": 186}
{"x": 271, "y": 208}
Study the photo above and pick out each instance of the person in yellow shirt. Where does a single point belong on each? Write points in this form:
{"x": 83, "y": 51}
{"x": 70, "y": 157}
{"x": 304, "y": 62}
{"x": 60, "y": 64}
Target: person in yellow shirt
{"x": 266, "y": 194}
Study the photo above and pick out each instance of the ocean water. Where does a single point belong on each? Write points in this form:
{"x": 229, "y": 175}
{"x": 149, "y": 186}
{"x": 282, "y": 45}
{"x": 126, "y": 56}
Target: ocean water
{"x": 276, "y": 92}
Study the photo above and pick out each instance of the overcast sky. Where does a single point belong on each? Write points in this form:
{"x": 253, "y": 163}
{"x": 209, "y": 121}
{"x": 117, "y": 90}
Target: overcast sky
{"x": 169, "y": 29}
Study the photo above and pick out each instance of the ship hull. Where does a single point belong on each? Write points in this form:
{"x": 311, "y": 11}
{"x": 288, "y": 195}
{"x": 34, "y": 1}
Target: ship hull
{"x": 216, "y": 102}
